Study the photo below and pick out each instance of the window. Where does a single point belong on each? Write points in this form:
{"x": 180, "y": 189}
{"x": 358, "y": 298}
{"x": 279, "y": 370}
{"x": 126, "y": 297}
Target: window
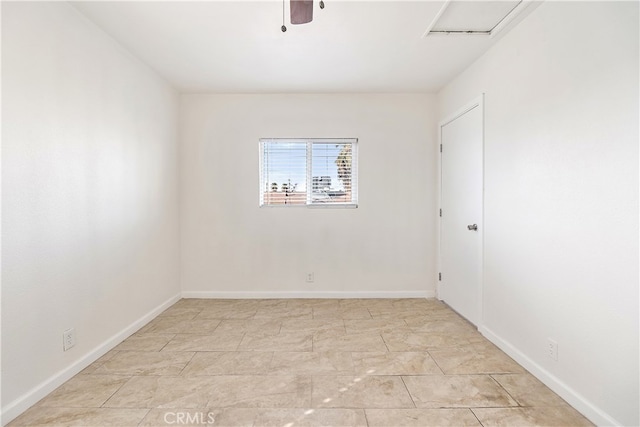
{"x": 308, "y": 172}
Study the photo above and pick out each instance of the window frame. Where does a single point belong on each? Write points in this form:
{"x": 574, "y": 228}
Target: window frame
{"x": 309, "y": 172}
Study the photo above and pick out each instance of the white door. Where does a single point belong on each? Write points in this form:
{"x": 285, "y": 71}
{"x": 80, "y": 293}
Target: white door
{"x": 461, "y": 202}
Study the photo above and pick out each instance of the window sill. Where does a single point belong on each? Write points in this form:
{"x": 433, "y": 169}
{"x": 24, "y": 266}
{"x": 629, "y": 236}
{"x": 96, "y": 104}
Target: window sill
{"x": 332, "y": 206}
{"x": 316, "y": 206}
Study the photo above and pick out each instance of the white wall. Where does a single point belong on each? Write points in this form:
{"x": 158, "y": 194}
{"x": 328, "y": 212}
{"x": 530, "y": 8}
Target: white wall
{"x": 231, "y": 247}
{"x": 89, "y": 196}
{"x": 561, "y": 203}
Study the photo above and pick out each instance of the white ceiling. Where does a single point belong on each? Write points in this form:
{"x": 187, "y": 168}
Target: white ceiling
{"x": 238, "y": 47}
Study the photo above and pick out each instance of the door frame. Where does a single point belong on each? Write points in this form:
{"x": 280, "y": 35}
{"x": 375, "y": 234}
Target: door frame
{"x": 475, "y": 103}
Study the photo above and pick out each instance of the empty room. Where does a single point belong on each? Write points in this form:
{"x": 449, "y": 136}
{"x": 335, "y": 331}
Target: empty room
{"x": 320, "y": 213}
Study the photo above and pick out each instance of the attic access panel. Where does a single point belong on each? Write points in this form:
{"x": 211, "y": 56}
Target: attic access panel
{"x": 473, "y": 17}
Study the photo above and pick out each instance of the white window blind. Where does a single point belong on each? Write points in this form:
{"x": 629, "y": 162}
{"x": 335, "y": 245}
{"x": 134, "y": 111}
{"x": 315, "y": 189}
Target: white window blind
{"x": 308, "y": 172}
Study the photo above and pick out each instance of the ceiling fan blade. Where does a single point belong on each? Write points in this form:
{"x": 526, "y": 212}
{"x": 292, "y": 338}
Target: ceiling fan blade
{"x": 301, "y": 11}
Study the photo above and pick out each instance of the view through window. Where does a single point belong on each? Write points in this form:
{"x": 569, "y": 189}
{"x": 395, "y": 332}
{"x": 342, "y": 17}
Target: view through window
{"x": 308, "y": 172}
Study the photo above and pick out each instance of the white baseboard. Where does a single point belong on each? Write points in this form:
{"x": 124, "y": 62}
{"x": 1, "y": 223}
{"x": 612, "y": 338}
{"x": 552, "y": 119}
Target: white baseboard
{"x": 24, "y": 402}
{"x": 308, "y": 294}
{"x": 575, "y": 399}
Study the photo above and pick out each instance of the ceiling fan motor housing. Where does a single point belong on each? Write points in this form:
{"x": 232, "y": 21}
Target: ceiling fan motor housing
{"x": 301, "y": 11}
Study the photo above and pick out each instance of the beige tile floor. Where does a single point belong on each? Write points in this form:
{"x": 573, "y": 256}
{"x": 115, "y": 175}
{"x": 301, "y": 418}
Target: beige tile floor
{"x": 289, "y": 363}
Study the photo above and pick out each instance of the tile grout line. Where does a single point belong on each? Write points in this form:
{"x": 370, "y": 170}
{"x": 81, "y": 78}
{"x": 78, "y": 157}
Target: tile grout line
{"x": 408, "y": 392}
{"x": 119, "y": 388}
{"x": 384, "y": 342}
{"x": 186, "y": 364}
{"x": 506, "y": 391}
{"x": 244, "y": 334}
{"x": 167, "y": 343}
{"x": 476, "y": 417}
{"x": 366, "y": 419}
{"x": 435, "y": 361}
{"x": 145, "y": 416}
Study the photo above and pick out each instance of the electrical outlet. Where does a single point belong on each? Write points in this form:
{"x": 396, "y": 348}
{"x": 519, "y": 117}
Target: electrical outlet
{"x": 552, "y": 349}
{"x": 310, "y": 277}
{"x": 68, "y": 339}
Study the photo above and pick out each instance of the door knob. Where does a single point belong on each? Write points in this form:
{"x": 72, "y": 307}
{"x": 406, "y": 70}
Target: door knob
{"x": 473, "y": 227}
